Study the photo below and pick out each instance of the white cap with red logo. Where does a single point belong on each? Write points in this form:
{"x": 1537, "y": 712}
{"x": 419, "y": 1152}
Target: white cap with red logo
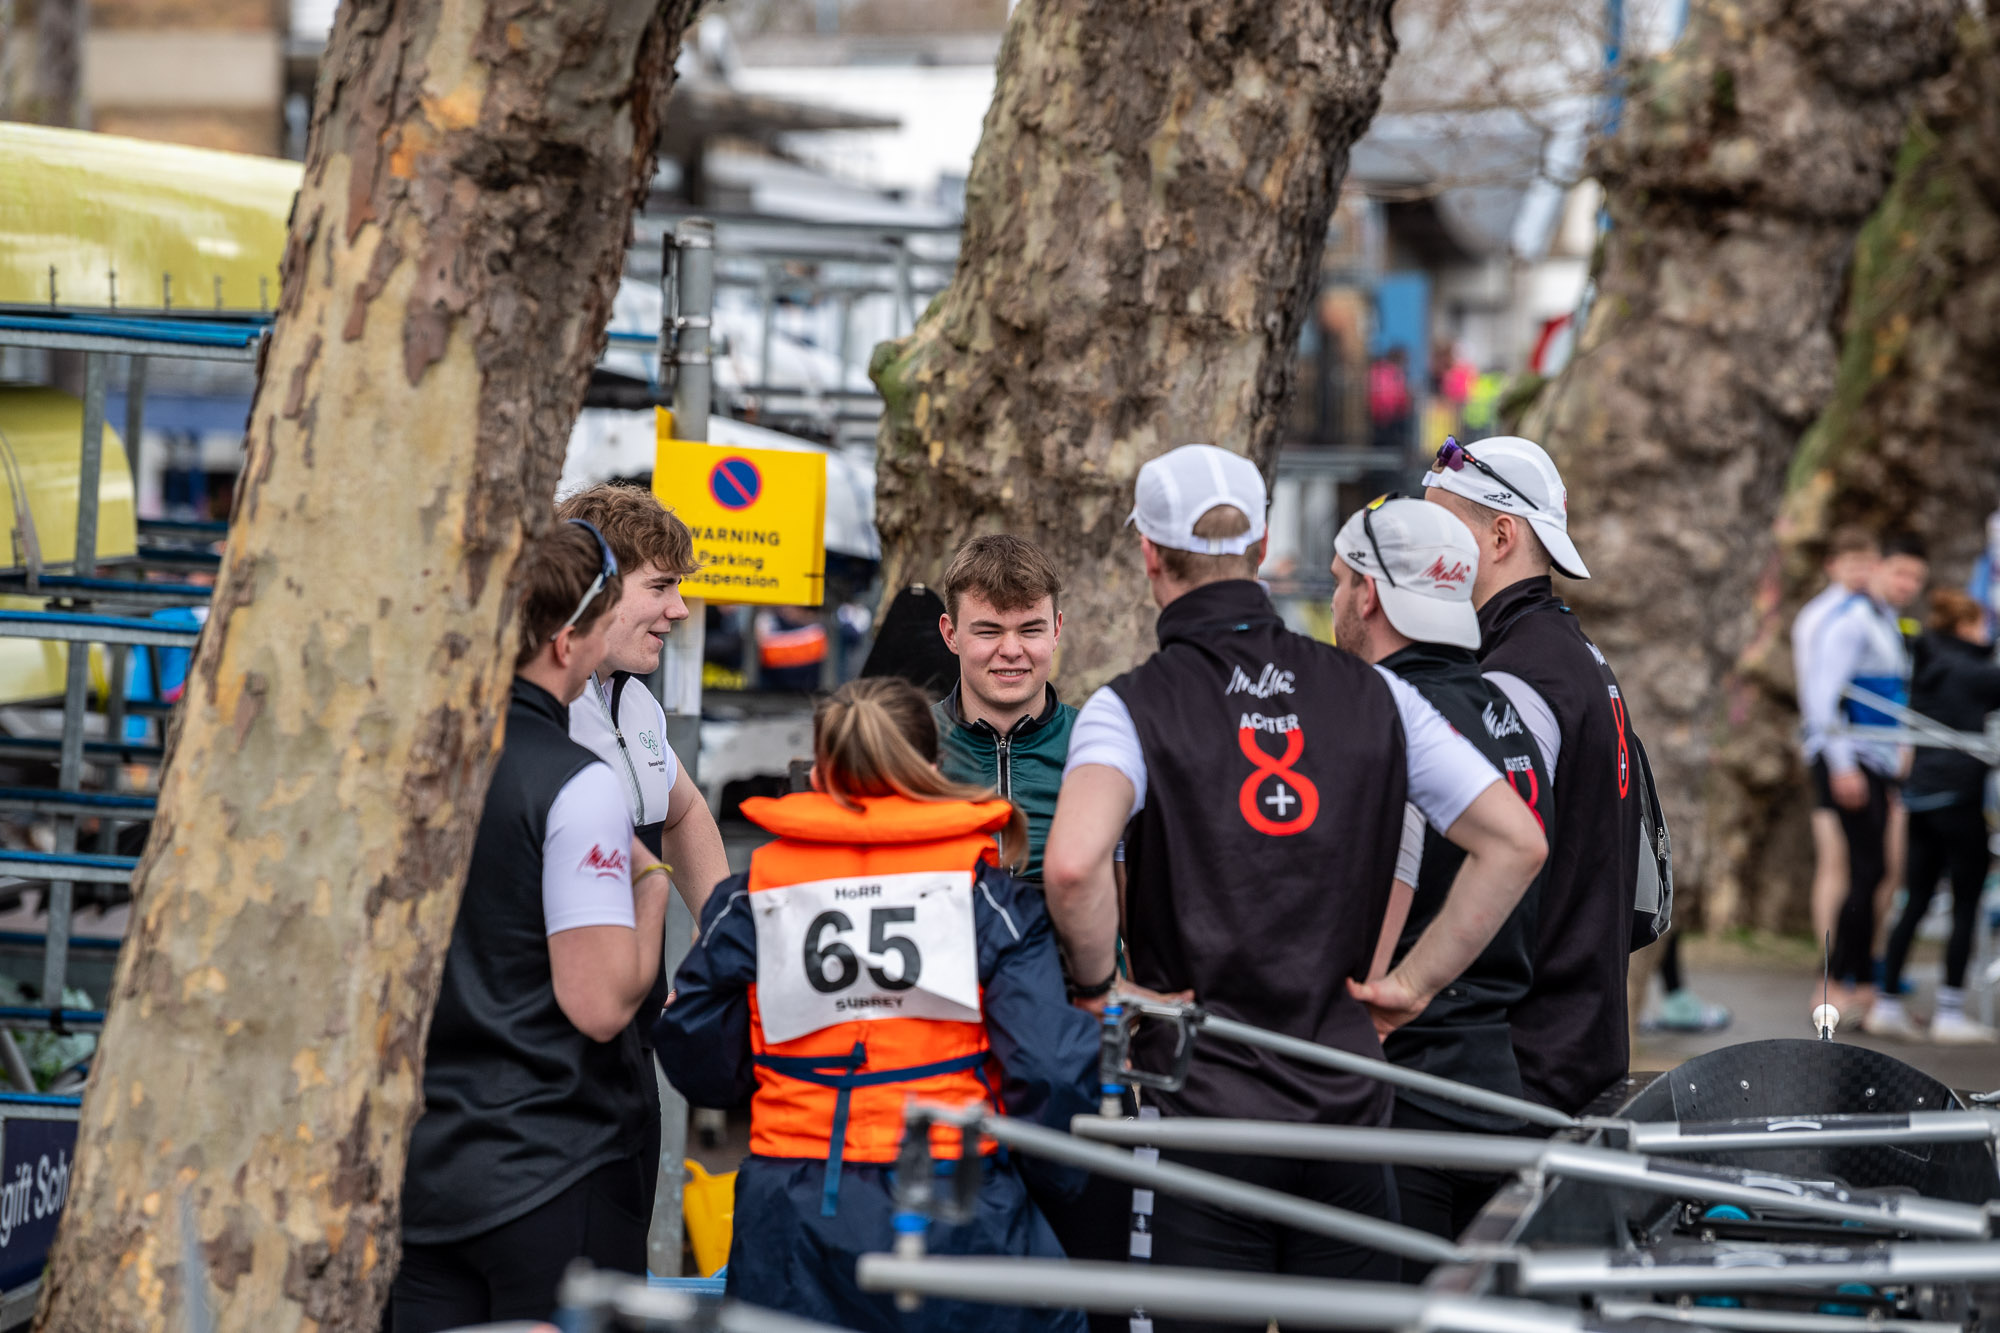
{"x": 1423, "y": 561}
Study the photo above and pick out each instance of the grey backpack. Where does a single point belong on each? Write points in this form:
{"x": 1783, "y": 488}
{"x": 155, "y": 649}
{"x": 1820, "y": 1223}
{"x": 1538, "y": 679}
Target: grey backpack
{"x": 1653, "y": 899}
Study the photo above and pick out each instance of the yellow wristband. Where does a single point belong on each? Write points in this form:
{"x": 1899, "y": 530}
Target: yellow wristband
{"x": 660, "y": 867}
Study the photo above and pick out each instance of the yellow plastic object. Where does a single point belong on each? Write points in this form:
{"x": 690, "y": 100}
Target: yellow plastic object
{"x": 41, "y": 441}
{"x": 42, "y": 430}
{"x": 708, "y": 1210}
{"x": 182, "y": 228}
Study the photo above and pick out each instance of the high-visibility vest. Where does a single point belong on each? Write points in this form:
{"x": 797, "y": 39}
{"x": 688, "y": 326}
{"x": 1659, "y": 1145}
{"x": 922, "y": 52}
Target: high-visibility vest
{"x": 800, "y": 647}
{"x": 838, "y": 1092}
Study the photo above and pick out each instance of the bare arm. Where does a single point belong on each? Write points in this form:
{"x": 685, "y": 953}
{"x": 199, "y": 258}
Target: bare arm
{"x": 1504, "y": 847}
{"x": 692, "y": 845}
{"x": 1077, "y": 870}
{"x": 602, "y": 973}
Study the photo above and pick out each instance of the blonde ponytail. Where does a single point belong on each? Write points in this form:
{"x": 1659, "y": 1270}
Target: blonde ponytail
{"x": 876, "y": 737}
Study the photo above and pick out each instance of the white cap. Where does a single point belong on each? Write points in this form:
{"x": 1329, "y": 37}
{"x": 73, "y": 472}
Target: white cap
{"x": 1178, "y": 487}
{"x": 1519, "y": 478}
{"x": 1431, "y": 562}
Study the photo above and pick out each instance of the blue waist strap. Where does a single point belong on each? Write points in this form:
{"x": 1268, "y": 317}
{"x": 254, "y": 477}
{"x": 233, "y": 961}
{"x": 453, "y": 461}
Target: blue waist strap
{"x": 843, "y": 1072}
{"x": 1893, "y": 688}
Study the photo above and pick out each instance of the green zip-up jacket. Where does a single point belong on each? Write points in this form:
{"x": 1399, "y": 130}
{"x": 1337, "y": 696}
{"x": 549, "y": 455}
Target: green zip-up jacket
{"x": 1025, "y": 765}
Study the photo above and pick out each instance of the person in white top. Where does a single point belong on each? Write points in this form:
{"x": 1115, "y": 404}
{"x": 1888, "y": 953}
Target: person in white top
{"x": 616, "y": 716}
{"x": 1851, "y": 554}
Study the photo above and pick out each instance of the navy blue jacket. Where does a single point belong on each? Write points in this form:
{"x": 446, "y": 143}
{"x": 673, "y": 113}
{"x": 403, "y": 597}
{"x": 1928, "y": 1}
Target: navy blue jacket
{"x": 785, "y": 1255}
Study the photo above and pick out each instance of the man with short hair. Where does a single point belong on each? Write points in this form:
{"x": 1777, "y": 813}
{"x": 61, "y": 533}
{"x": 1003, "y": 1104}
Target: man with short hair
{"x": 1258, "y": 779}
{"x": 1002, "y": 726}
{"x": 1851, "y": 555}
{"x": 1570, "y": 1035}
{"x": 1403, "y": 575}
{"x": 1858, "y": 642}
{"x": 616, "y": 716}
{"x": 529, "y": 1152}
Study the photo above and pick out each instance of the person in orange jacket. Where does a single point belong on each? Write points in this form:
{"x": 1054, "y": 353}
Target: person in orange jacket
{"x": 876, "y": 951}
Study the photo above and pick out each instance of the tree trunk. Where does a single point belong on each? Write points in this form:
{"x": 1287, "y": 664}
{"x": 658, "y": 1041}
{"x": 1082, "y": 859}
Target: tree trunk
{"x": 1748, "y": 159}
{"x": 451, "y": 264}
{"x": 1907, "y": 443}
{"x": 1144, "y": 220}
{"x": 59, "y": 29}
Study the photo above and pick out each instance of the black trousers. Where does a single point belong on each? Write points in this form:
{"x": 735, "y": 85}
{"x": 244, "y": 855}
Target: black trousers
{"x": 1866, "y": 831}
{"x": 512, "y": 1271}
{"x": 1093, "y": 1225}
{"x": 1433, "y": 1199}
{"x": 1950, "y": 841}
{"x": 1191, "y": 1234}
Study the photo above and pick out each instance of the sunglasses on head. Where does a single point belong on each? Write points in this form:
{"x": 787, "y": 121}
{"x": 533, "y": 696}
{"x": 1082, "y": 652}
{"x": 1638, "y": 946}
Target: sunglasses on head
{"x": 606, "y": 571}
{"x": 1453, "y": 456}
{"x": 1368, "y": 530}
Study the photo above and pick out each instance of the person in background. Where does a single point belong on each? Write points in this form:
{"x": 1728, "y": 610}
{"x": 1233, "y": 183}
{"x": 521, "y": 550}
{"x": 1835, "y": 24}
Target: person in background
{"x": 1851, "y": 556}
{"x": 1984, "y": 586}
{"x": 1955, "y": 681}
{"x": 530, "y": 1149}
{"x": 1390, "y": 406}
{"x": 875, "y": 952}
{"x": 1859, "y": 643}
{"x": 1002, "y": 726}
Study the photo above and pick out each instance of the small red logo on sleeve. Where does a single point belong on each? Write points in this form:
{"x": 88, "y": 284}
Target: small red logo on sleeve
{"x": 603, "y": 864}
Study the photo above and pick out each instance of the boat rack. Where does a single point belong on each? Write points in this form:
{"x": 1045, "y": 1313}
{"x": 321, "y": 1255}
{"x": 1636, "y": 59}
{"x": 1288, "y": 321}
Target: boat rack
{"x": 90, "y": 601}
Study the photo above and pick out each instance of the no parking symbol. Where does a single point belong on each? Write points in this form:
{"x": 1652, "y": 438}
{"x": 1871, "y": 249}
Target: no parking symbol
{"x": 735, "y": 483}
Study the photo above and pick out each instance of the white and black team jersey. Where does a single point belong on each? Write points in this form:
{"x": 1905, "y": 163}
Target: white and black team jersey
{"x": 621, "y": 722}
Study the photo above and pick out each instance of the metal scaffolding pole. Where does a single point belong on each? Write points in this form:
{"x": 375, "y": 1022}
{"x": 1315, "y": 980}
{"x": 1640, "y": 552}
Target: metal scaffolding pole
{"x": 76, "y": 688}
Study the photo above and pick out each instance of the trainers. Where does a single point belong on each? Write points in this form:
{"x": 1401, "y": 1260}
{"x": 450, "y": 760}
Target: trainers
{"x": 1887, "y": 1018}
{"x": 1684, "y": 1011}
{"x": 1949, "y": 1029}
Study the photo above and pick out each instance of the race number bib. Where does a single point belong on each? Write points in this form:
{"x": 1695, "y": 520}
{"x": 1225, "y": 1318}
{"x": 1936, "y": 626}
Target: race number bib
{"x": 875, "y": 946}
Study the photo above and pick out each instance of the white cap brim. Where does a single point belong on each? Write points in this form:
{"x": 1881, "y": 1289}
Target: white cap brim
{"x": 1428, "y": 619}
{"x": 1562, "y": 551}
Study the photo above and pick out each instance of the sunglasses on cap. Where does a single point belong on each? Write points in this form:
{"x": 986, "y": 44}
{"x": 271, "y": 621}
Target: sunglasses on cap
{"x": 1453, "y": 456}
{"x": 606, "y": 571}
{"x": 1368, "y": 529}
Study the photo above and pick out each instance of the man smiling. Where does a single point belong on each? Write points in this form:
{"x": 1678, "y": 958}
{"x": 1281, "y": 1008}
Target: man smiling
{"x": 616, "y": 716}
{"x": 1002, "y": 725}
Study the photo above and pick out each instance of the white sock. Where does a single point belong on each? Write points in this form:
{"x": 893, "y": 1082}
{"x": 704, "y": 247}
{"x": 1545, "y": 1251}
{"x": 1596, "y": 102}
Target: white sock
{"x": 1950, "y": 1000}
{"x": 1888, "y": 1007}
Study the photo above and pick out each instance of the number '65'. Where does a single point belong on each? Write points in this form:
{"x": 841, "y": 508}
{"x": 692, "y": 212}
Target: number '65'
{"x": 846, "y": 967}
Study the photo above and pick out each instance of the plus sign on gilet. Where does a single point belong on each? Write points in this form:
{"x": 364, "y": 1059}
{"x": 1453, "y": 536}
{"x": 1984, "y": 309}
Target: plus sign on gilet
{"x": 1258, "y": 870}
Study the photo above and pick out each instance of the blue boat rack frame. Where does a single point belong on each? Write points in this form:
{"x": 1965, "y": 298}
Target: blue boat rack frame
{"x": 87, "y": 601}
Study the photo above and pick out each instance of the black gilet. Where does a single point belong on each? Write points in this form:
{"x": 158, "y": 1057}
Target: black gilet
{"x": 1259, "y": 869}
{"x": 1569, "y": 1029}
{"x": 1464, "y": 1033}
{"x": 518, "y": 1104}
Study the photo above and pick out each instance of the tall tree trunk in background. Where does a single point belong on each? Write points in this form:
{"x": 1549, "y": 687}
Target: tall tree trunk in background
{"x": 453, "y": 254}
{"x": 1748, "y": 159}
{"x": 1144, "y": 219}
{"x": 1908, "y": 442}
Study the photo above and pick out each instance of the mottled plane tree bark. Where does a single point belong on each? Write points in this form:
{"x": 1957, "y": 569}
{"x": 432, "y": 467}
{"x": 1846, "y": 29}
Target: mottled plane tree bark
{"x": 1907, "y": 443}
{"x": 1748, "y": 159}
{"x": 1144, "y": 218}
{"x": 468, "y": 191}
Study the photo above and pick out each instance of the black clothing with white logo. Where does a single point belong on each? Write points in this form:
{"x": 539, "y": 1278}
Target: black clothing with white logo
{"x": 518, "y": 1104}
{"x": 1259, "y": 867}
{"x": 1464, "y": 1033}
{"x": 1569, "y": 1029}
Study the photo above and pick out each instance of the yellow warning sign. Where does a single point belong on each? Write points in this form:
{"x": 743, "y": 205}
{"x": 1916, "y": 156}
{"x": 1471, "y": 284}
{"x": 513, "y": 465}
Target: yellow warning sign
{"x": 758, "y": 518}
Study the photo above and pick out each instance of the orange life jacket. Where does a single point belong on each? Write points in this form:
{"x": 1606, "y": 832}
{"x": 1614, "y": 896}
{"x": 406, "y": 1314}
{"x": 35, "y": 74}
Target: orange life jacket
{"x": 838, "y": 1093}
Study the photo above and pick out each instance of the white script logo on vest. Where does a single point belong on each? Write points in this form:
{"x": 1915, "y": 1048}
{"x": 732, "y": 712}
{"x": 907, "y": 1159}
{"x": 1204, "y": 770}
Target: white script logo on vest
{"x": 1498, "y": 724}
{"x": 1269, "y": 681}
{"x": 872, "y": 946}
